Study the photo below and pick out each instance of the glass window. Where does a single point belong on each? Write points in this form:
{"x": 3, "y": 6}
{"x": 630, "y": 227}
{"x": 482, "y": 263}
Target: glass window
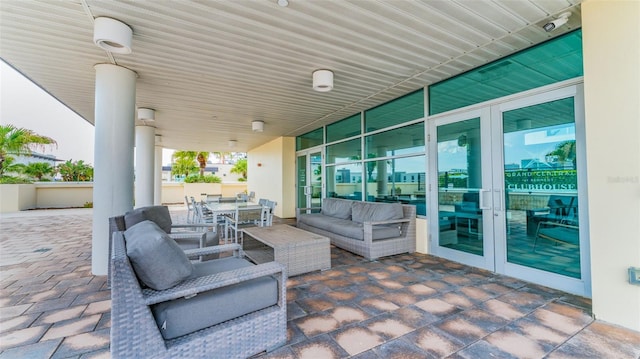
{"x": 346, "y": 128}
{"x": 406, "y": 108}
{"x": 310, "y": 139}
{"x": 553, "y": 61}
{"x": 386, "y": 181}
{"x": 345, "y": 181}
{"x": 347, "y": 151}
{"x": 399, "y": 141}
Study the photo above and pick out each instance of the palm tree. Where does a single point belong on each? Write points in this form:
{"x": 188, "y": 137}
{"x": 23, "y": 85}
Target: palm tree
{"x": 202, "y": 159}
{"x": 19, "y": 141}
{"x": 184, "y": 162}
{"x": 222, "y": 156}
{"x": 9, "y": 166}
{"x": 565, "y": 152}
{"x": 75, "y": 171}
{"x": 38, "y": 169}
{"x": 240, "y": 168}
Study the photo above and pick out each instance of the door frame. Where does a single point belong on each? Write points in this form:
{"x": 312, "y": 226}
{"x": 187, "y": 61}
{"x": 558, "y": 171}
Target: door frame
{"x": 495, "y": 246}
{"x": 486, "y": 261}
{"x": 308, "y": 152}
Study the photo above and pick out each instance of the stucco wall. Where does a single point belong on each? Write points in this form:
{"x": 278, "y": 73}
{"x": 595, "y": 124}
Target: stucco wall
{"x": 17, "y": 197}
{"x": 271, "y": 174}
{"x": 63, "y": 194}
{"x": 611, "y": 35}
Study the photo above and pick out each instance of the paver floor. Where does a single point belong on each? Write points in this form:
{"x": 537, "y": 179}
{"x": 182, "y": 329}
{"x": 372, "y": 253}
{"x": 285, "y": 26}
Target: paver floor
{"x": 405, "y": 306}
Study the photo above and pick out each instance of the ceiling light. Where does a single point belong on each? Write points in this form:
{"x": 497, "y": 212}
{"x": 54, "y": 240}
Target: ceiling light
{"x": 112, "y": 35}
{"x": 232, "y": 143}
{"x": 561, "y": 20}
{"x": 283, "y": 3}
{"x": 323, "y": 80}
{"x": 146, "y": 114}
{"x": 257, "y": 126}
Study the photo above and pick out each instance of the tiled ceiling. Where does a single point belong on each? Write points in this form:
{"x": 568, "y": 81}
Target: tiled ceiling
{"x": 209, "y": 68}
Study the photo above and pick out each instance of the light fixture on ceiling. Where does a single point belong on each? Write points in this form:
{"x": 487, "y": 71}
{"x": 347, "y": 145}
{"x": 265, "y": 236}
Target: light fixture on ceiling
{"x": 257, "y": 126}
{"x": 112, "y": 35}
{"x": 561, "y": 20}
{"x": 283, "y": 3}
{"x": 146, "y": 114}
{"x": 232, "y": 143}
{"x": 323, "y": 80}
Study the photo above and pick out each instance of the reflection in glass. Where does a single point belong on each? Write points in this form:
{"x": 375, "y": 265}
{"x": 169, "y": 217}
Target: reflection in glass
{"x": 346, "y": 128}
{"x": 344, "y": 181}
{"x": 406, "y": 108}
{"x": 397, "y": 180}
{"x": 459, "y": 183}
{"x": 347, "y": 151}
{"x": 541, "y": 185}
{"x": 396, "y": 142}
{"x": 310, "y": 139}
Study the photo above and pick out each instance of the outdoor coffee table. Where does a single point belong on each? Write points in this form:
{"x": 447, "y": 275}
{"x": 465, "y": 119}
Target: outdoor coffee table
{"x": 300, "y": 251}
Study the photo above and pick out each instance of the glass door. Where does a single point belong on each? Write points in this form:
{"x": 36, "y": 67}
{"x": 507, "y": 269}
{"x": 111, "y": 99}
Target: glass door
{"x": 538, "y": 172}
{"x": 461, "y": 169}
{"x": 510, "y": 189}
{"x": 309, "y": 181}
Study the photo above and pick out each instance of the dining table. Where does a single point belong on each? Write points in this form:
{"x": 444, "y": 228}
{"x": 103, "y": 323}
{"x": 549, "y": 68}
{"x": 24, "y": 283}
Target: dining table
{"x": 229, "y": 208}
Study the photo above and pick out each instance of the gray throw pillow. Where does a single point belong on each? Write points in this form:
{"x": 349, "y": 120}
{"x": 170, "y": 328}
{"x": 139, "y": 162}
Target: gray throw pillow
{"x": 372, "y": 212}
{"x": 158, "y": 214}
{"x": 339, "y": 208}
{"x": 156, "y": 258}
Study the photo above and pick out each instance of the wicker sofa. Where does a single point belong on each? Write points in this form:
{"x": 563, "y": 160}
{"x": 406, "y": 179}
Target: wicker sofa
{"x": 225, "y": 307}
{"x": 371, "y": 230}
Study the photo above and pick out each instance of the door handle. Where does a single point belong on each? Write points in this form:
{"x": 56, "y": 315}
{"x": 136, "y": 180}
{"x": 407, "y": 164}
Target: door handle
{"x": 481, "y": 200}
{"x": 497, "y": 200}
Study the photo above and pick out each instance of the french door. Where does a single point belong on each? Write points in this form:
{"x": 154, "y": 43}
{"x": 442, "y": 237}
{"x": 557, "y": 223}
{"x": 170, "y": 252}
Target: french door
{"x": 508, "y": 189}
{"x": 309, "y": 181}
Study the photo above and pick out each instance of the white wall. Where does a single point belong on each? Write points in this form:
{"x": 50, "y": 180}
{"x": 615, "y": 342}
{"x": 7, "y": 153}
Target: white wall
{"x": 611, "y": 38}
{"x": 271, "y": 174}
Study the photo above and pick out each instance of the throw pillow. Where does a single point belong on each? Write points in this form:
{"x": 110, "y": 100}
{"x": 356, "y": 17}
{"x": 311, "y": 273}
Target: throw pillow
{"x": 156, "y": 258}
{"x": 158, "y": 214}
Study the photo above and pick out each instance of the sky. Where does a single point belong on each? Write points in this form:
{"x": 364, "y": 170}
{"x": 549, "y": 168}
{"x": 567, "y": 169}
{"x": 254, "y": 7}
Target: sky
{"x": 26, "y": 105}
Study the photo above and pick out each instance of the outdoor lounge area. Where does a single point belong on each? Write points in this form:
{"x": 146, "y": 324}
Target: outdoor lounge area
{"x": 409, "y": 306}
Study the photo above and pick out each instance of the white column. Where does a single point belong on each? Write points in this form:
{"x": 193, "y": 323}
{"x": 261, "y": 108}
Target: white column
{"x": 157, "y": 183}
{"x": 611, "y": 38}
{"x": 115, "y": 97}
{"x": 145, "y": 164}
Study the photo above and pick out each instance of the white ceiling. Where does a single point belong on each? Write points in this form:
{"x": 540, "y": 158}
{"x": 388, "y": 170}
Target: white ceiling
{"x": 209, "y": 68}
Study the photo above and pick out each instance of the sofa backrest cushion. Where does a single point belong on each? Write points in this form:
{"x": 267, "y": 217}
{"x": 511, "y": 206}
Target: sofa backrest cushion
{"x": 156, "y": 258}
{"x": 338, "y": 208}
{"x": 372, "y": 212}
{"x": 158, "y": 214}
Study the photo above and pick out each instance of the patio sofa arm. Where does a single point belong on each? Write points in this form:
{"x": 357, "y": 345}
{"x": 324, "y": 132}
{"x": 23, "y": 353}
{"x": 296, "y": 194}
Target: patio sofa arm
{"x": 197, "y": 252}
{"x": 368, "y": 227}
{"x": 192, "y": 287}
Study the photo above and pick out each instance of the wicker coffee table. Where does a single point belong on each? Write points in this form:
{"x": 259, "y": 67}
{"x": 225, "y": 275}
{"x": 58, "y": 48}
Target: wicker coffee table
{"x": 300, "y": 251}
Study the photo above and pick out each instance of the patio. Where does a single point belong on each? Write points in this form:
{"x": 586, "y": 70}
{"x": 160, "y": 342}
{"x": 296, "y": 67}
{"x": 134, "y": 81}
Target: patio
{"x": 408, "y": 306}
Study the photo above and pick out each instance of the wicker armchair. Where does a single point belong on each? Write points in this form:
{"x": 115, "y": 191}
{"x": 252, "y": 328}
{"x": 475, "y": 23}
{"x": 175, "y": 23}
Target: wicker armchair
{"x": 136, "y": 334}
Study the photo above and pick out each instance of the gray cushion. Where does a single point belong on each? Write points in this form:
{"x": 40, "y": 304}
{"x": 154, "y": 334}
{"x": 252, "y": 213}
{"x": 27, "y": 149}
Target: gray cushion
{"x": 158, "y": 214}
{"x": 348, "y": 228}
{"x": 183, "y": 316}
{"x": 339, "y": 208}
{"x": 372, "y": 212}
{"x": 156, "y": 258}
